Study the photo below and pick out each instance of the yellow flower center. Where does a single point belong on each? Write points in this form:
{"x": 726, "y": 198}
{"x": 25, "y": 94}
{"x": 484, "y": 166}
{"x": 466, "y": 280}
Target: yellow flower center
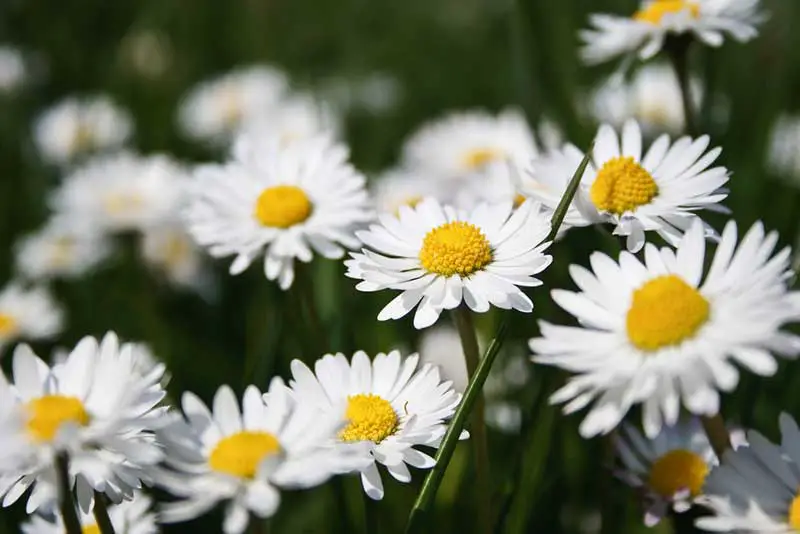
{"x": 622, "y": 185}
{"x": 282, "y": 206}
{"x": 665, "y": 311}
{"x": 62, "y": 251}
{"x": 46, "y": 415}
{"x": 794, "y": 513}
{"x": 678, "y": 470}
{"x": 231, "y": 105}
{"x": 91, "y": 529}
{"x": 371, "y": 418}
{"x": 519, "y": 199}
{"x": 480, "y": 157}
{"x": 123, "y": 203}
{"x": 455, "y": 248}
{"x": 240, "y": 454}
{"x": 175, "y": 250}
{"x": 8, "y": 325}
{"x": 82, "y": 139}
{"x": 656, "y": 10}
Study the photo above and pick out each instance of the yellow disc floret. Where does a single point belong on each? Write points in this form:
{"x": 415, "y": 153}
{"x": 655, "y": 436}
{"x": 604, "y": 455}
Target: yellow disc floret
{"x": 240, "y": 454}
{"x": 480, "y": 157}
{"x": 282, "y": 206}
{"x": 91, "y": 529}
{"x": 656, "y": 10}
{"x": 455, "y": 248}
{"x": 46, "y": 415}
{"x": 794, "y": 512}
{"x": 622, "y": 185}
{"x": 8, "y": 325}
{"x": 370, "y": 418}
{"x": 678, "y": 470}
{"x": 665, "y": 311}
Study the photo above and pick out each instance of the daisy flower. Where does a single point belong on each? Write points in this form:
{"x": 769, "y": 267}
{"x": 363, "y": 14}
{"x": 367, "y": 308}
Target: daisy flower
{"x": 128, "y": 517}
{"x": 243, "y": 457}
{"x": 663, "y": 334}
{"x": 283, "y": 201}
{"x": 170, "y": 251}
{"x": 658, "y": 192}
{"x": 784, "y": 148}
{"x": 214, "y": 110}
{"x": 62, "y": 248}
{"x": 295, "y": 118}
{"x": 465, "y": 143}
{"x": 121, "y": 192}
{"x": 77, "y": 126}
{"x": 644, "y": 33}
{"x": 401, "y": 187}
{"x": 388, "y": 404}
{"x": 13, "y": 70}
{"x": 30, "y": 314}
{"x": 96, "y": 408}
{"x": 438, "y": 257}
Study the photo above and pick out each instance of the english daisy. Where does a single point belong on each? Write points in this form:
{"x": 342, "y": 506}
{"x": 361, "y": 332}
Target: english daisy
{"x": 659, "y": 191}
{"x": 243, "y": 457}
{"x": 30, "y": 314}
{"x": 644, "y": 32}
{"x": 784, "y": 148}
{"x": 285, "y": 202}
{"x": 170, "y": 251}
{"x": 77, "y": 126}
{"x": 13, "y": 71}
{"x": 387, "y": 404}
{"x": 95, "y": 407}
{"x": 438, "y": 257}
{"x": 756, "y": 487}
{"x": 400, "y": 187}
{"x": 297, "y": 117}
{"x": 662, "y": 334}
{"x": 128, "y": 517}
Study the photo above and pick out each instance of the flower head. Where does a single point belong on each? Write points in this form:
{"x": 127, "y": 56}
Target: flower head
{"x": 13, "y": 70}
{"x": 295, "y": 118}
{"x": 171, "y": 252}
{"x": 30, "y": 314}
{"x": 128, "y": 517}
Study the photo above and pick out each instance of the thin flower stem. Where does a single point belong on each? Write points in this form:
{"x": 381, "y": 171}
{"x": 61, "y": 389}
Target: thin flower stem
{"x": 679, "y": 56}
{"x": 101, "y": 514}
{"x": 66, "y": 505}
{"x": 469, "y": 343}
{"x": 717, "y": 433}
{"x": 371, "y": 515}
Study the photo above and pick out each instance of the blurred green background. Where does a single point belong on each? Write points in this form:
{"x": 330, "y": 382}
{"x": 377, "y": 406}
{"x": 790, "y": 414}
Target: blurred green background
{"x": 446, "y": 55}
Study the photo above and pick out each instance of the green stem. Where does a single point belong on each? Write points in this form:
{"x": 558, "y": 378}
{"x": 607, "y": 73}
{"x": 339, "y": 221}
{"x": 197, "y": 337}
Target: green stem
{"x": 469, "y": 343}
{"x": 371, "y": 515}
{"x": 101, "y": 514}
{"x": 65, "y": 503}
{"x": 717, "y": 433}
{"x": 679, "y": 55}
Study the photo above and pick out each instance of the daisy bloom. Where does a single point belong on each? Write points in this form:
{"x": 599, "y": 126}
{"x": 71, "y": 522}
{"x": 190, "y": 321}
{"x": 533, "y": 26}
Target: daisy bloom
{"x": 644, "y": 33}
{"x": 401, "y": 187}
{"x": 387, "y": 404}
{"x": 62, "y": 248}
{"x": 438, "y": 257}
{"x": 756, "y": 487}
{"x": 464, "y": 143}
{"x": 658, "y": 192}
{"x": 663, "y": 334}
{"x": 13, "y": 70}
{"x": 170, "y": 251}
{"x": 295, "y": 118}
{"x": 214, "y": 110}
{"x": 94, "y": 407}
{"x": 128, "y": 517}
{"x": 243, "y": 457}
{"x": 77, "y": 126}
{"x": 121, "y": 192}
{"x": 784, "y": 148}
{"x": 30, "y": 314}
{"x": 285, "y": 202}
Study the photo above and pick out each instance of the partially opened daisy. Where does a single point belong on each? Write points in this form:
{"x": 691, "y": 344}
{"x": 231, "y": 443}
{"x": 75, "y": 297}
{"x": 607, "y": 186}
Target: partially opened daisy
{"x": 242, "y": 457}
{"x": 30, "y": 314}
{"x": 387, "y": 404}
{"x": 663, "y": 334}
{"x": 438, "y": 257}
{"x": 285, "y": 202}
{"x": 757, "y": 488}
{"x": 128, "y": 517}
{"x": 658, "y": 191}
{"x": 644, "y": 33}
{"x": 95, "y": 407}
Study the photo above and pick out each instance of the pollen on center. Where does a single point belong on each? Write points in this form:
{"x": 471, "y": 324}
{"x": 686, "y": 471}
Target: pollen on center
{"x": 480, "y": 157}
{"x": 656, "y": 10}
{"x": 282, "y": 206}
{"x": 794, "y": 512}
{"x": 48, "y": 413}
{"x": 622, "y": 185}
{"x": 678, "y": 470}
{"x": 370, "y": 418}
{"x": 8, "y": 325}
{"x": 456, "y": 247}
{"x": 241, "y": 454}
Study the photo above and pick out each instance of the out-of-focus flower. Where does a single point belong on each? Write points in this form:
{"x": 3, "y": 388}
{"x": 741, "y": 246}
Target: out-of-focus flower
{"x": 215, "y": 110}
{"x": 375, "y": 93}
{"x": 784, "y": 148}
{"x": 170, "y": 250}
{"x": 296, "y": 118}
{"x": 660, "y": 333}
{"x": 386, "y": 404}
{"x": 29, "y": 314}
{"x": 660, "y": 191}
{"x": 147, "y": 52}
{"x": 438, "y": 257}
{"x": 643, "y": 34}
{"x": 128, "y": 517}
{"x": 78, "y": 126}
{"x": 284, "y": 202}
{"x": 13, "y": 71}
{"x": 399, "y": 187}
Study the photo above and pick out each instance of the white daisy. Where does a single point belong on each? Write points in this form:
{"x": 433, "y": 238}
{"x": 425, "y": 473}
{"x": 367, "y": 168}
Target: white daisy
{"x": 784, "y": 148}
{"x": 122, "y": 192}
{"x": 128, "y": 517}
{"x": 438, "y": 257}
{"x": 13, "y": 71}
{"x": 658, "y": 192}
{"x": 243, "y": 457}
{"x": 465, "y": 143}
{"x": 662, "y": 334}
{"x": 96, "y": 408}
{"x": 215, "y": 110}
{"x": 77, "y": 126}
{"x": 62, "y": 248}
{"x": 283, "y": 201}
{"x": 644, "y": 33}
{"x": 170, "y": 251}
{"x": 30, "y": 314}
{"x": 295, "y": 118}
{"x": 401, "y": 187}
{"x": 388, "y": 405}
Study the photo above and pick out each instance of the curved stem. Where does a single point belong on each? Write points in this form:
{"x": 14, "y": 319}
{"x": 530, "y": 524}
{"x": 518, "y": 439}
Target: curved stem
{"x": 66, "y": 505}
